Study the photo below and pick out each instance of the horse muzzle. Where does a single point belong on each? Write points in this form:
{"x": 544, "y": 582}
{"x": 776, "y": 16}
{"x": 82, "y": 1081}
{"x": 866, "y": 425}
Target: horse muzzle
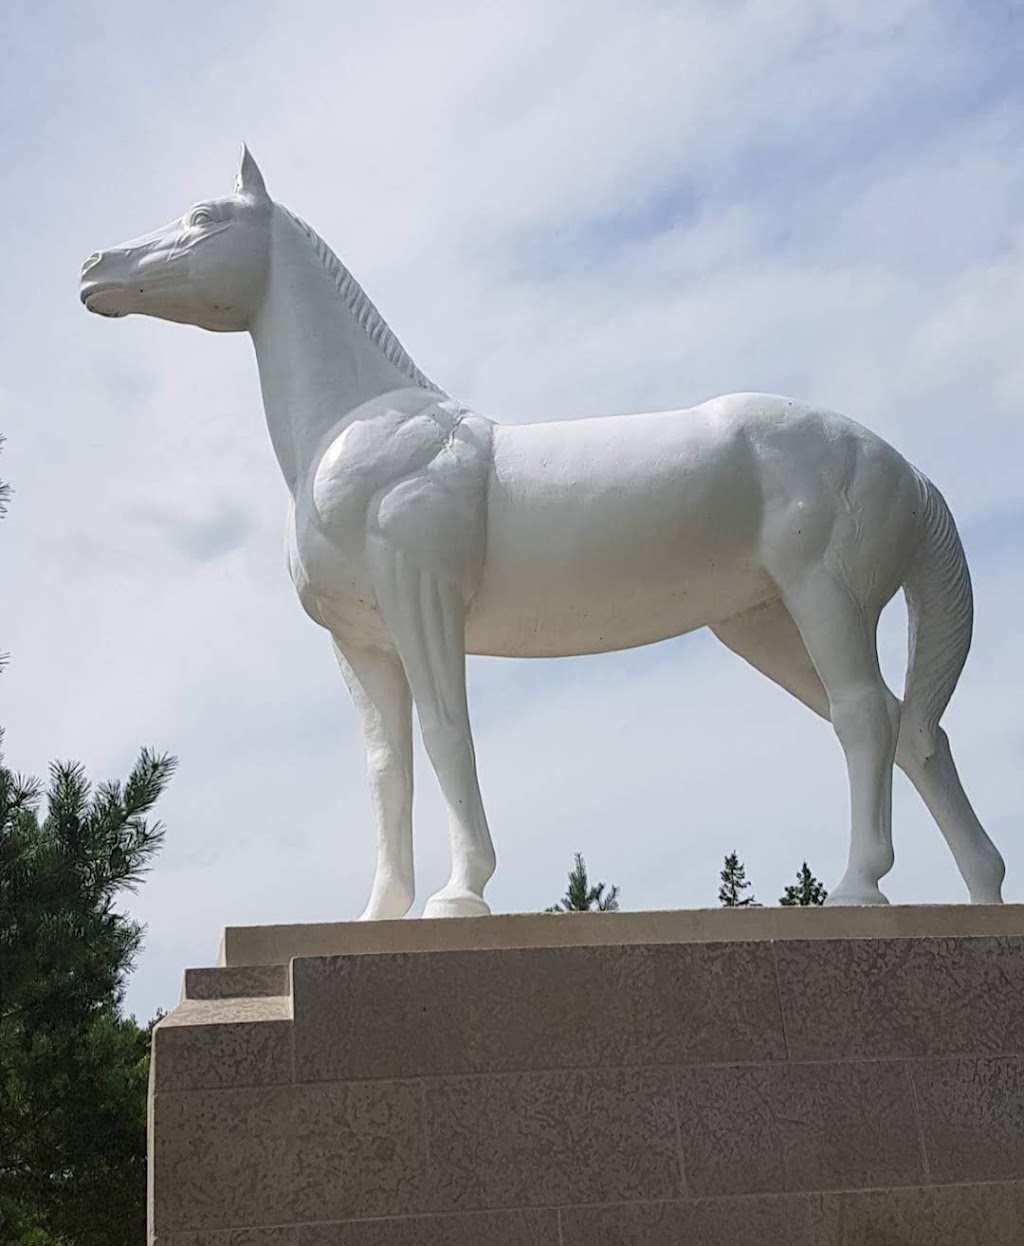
{"x": 101, "y": 298}
{"x": 99, "y": 289}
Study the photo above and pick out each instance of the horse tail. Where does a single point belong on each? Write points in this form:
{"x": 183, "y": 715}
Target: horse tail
{"x": 940, "y": 611}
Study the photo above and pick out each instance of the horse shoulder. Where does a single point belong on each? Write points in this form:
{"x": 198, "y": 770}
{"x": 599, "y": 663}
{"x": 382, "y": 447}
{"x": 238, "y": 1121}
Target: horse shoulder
{"x": 436, "y": 513}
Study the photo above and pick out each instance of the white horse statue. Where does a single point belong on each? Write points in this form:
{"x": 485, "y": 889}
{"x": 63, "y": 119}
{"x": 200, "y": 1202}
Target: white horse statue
{"x": 420, "y": 531}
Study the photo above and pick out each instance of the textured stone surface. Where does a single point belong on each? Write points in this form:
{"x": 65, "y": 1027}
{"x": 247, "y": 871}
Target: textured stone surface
{"x": 286, "y": 1236}
{"x": 269, "y": 945}
{"x": 762, "y": 1221}
{"x": 360, "y": 1150}
{"x": 989, "y": 1214}
{"x": 906, "y": 997}
{"x": 758, "y": 1128}
{"x": 242, "y": 982}
{"x": 841, "y": 1092}
{"x": 972, "y": 1117}
{"x": 465, "y": 1012}
{"x": 216, "y": 1044}
{"x": 505, "y": 1228}
{"x": 283, "y": 1154}
{"x": 545, "y": 1138}
{"x": 222, "y": 1158}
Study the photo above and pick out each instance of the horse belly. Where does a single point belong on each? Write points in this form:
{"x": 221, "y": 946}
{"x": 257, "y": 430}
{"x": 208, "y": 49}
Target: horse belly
{"x": 581, "y": 615}
{"x": 598, "y": 541}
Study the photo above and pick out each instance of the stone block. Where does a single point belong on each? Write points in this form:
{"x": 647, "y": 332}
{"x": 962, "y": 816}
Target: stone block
{"x": 277, "y": 945}
{"x": 988, "y": 1214}
{"x": 535, "y": 1139}
{"x": 427, "y": 1014}
{"x": 902, "y": 997}
{"x": 284, "y": 1154}
{"x": 748, "y": 1129}
{"x": 972, "y": 1117}
{"x": 286, "y": 1236}
{"x": 503, "y": 1228}
{"x": 770, "y": 1220}
{"x": 359, "y": 1150}
{"x": 217, "y": 1044}
{"x": 240, "y": 982}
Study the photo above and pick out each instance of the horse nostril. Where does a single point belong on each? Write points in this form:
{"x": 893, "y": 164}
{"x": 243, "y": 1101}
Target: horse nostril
{"x": 92, "y": 261}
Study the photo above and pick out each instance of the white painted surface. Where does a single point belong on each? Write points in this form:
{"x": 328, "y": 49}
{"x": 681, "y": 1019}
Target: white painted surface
{"x": 420, "y": 530}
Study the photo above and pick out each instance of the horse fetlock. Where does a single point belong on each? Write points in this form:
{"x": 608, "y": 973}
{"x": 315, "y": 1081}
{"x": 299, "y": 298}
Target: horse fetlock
{"x": 389, "y": 902}
{"x": 473, "y": 869}
{"x": 394, "y": 887}
{"x": 985, "y": 877}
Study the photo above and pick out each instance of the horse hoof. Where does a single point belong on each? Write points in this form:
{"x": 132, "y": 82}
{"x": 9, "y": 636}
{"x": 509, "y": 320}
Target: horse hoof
{"x": 849, "y": 897}
{"x": 456, "y": 904}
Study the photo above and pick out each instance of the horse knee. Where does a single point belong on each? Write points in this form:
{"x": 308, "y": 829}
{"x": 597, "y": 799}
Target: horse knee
{"x": 388, "y": 768}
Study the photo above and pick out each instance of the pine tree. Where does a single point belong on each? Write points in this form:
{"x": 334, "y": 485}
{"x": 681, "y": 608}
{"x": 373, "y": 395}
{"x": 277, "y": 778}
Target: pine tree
{"x": 805, "y": 891}
{"x": 73, "y": 1070}
{"x": 734, "y": 883}
{"x": 5, "y": 494}
{"x": 580, "y": 897}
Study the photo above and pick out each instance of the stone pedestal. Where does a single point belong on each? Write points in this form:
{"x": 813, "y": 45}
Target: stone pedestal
{"x": 811, "y": 1077}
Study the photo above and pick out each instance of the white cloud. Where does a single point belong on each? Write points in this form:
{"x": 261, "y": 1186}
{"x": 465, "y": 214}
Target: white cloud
{"x": 562, "y": 210}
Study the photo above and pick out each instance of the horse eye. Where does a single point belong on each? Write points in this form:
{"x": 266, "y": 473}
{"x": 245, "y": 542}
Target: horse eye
{"x": 200, "y": 217}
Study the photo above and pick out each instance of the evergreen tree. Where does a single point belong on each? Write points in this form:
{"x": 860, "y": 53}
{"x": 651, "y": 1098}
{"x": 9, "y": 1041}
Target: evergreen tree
{"x": 580, "y": 897}
{"x": 73, "y": 1070}
{"x": 805, "y": 891}
{"x": 734, "y": 883}
{"x": 5, "y": 494}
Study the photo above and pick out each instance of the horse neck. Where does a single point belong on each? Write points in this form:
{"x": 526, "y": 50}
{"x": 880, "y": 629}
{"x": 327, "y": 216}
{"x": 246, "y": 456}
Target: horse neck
{"x": 317, "y": 362}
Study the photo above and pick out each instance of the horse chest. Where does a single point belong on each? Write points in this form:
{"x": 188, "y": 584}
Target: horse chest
{"x": 331, "y": 576}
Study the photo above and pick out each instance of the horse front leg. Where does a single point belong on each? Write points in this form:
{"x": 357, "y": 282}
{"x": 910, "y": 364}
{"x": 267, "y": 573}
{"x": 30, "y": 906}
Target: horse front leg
{"x": 425, "y": 614}
{"x": 380, "y": 692}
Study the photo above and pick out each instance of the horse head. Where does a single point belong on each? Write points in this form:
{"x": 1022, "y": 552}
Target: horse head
{"x": 206, "y": 268}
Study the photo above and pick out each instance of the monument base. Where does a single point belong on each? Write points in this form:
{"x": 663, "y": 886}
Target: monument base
{"x": 819, "y": 1077}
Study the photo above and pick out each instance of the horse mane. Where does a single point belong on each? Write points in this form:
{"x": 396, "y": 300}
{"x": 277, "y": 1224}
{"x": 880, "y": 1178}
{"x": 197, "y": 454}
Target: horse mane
{"x": 356, "y": 299}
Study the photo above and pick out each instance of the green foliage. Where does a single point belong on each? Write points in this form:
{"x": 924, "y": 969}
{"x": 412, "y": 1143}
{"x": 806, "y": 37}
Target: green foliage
{"x": 580, "y": 897}
{"x": 21, "y": 1227}
{"x": 805, "y": 891}
{"x": 73, "y": 1071}
{"x": 5, "y": 493}
{"x": 734, "y": 884}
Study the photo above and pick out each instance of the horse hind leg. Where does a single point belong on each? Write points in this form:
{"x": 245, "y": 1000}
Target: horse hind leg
{"x": 819, "y": 644}
{"x": 768, "y": 639}
{"x": 927, "y": 761}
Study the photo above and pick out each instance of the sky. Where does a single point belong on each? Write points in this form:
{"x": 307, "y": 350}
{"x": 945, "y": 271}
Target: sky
{"x": 562, "y": 209}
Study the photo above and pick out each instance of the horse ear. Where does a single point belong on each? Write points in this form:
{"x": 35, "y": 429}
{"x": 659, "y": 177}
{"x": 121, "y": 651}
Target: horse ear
{"x": 249, "y": 179}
